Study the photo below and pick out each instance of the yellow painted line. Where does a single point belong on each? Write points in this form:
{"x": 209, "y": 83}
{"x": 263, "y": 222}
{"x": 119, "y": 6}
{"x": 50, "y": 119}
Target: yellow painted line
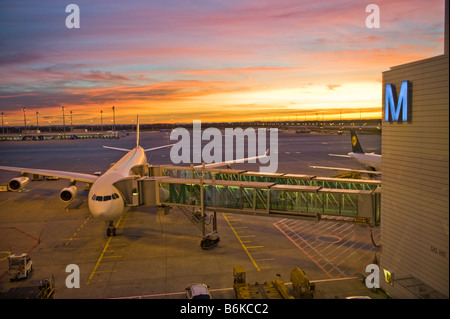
{"x": 98, "y": 261}
{"x": 78, "y": 230}
{"x": 242, "y": 244}
{"x": 102, "y": 254}
{"x": 68, "y": 240}
{"x": 265, "y": 259}
{"x": 251, "y": 247}
{"x": 105, "y": 271}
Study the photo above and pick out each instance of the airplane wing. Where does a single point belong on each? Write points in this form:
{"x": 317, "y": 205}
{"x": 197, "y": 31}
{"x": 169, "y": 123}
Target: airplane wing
{"x": 340, "y": 155}
{"x": 117, "y": 148}
{"x": 128, "y": 150}
{"x": 88, "y": 178}
{"x": 347, "y": 170}
{"x": 241, "y": 160}
{"x": 157, "y": 148}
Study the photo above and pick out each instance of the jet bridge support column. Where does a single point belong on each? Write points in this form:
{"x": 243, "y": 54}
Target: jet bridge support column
{"x": 202, "y": 206}
{"x": 208, "y": 240}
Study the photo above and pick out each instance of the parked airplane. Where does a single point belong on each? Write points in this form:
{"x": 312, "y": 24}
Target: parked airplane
{"x": 371, "y": 161}
{"x": 105, "y": 201}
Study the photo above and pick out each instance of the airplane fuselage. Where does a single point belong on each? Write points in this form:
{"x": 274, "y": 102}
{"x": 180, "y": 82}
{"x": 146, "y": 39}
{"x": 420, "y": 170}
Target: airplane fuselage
{"x": 369, "y": 160}
{"x": 105, "y": 201}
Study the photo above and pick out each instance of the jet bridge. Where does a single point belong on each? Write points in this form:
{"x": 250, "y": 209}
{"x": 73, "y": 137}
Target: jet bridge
{"x": 270, "y": 199}
{"x": 253, "y": 193}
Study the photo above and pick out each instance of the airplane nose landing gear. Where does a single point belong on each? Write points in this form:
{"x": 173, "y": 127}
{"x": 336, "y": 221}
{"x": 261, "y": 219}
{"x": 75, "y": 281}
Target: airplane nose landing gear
{"x": 212, "y": 239}
{"x": 111, "y": 229}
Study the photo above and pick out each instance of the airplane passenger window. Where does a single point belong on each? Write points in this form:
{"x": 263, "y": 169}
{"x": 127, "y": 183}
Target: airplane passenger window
{"x": 107, "y": 197}
{"x": 99, "y": 198}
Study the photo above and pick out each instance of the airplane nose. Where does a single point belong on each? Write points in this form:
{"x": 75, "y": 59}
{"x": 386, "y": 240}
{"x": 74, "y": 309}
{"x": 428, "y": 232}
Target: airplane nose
{"x": 108, "y": 211}
{"x": 98, "y": 209}
{"x": 98, "y": 213}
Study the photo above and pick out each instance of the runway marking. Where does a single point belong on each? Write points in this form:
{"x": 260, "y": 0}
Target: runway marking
{"x": 246, "y": 248}
{"x": 94, "y": 271}
{"x": 77, "y": 231}
{"x": 340, "y": 258}
{"x": 334, "y": 279}
{"x": 235, "y": 219}
{"x": 105, "y": 271}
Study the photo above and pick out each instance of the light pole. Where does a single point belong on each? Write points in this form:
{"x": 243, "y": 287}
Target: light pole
{"x": 101, "y": 120}
{"x": 3, "y": 128}
{"x": 24, "y": 119}
{"x": 64, "y": 124}
{"x": 37, "y": 121}
{"x": 114, "y": 121}
{"x": 71, "y": 128}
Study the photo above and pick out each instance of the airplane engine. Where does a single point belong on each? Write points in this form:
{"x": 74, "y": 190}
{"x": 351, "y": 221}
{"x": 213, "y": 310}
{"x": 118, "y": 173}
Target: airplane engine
{"x": 68, "y": 194}
{"x": 18, "y": 183}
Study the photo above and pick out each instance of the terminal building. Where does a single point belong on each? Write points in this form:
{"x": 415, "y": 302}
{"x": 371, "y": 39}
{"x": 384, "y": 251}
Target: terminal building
{"x": 414, "y": 258}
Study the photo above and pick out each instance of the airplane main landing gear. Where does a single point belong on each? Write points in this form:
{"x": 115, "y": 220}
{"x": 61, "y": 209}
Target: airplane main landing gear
{"x": 210, "y": 240}
{"x": 111, "y": 230}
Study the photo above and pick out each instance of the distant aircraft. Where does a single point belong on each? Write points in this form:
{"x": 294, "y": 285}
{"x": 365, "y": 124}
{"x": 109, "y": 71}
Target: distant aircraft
{"x": 370, "y": 161}
{"x": 105, "y": 201}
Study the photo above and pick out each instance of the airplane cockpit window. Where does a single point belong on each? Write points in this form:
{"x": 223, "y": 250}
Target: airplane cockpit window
{"x": 105, "y": 198}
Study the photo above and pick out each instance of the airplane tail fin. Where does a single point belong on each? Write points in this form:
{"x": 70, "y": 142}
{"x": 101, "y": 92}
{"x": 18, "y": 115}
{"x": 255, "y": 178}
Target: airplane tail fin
{"x": 137, "y": 131}
{"x": 356, "y": 147}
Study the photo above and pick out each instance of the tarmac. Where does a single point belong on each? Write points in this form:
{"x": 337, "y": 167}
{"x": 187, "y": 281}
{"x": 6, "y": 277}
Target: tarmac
{"x": 157, "y": 256}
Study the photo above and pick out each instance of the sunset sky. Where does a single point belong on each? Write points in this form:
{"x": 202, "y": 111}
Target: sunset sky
{"x": 210, "y": 60}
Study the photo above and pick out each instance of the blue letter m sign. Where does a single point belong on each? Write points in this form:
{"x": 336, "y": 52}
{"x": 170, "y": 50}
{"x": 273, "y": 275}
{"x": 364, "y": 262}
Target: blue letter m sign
{"x": 394, "y": 106}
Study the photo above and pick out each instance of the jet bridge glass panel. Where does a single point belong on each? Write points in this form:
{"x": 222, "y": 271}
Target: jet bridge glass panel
{"x": 217, "y": 194}
{"x": 345, "y": 183}
{"x": 183, "y": 193}
{"x": 339, "y": 202}
{"x": 293, "y": 199}
{"x": 277, "y": 178}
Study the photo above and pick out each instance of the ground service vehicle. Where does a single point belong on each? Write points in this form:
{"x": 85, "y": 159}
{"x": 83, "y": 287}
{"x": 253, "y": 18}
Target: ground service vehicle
{"x": 301, "y": 284}
{"x": 269, "y": 290}
{"x": 19, "y": 266}
{"x": 197, "y": 291}
{"x": 44, "y": 290}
